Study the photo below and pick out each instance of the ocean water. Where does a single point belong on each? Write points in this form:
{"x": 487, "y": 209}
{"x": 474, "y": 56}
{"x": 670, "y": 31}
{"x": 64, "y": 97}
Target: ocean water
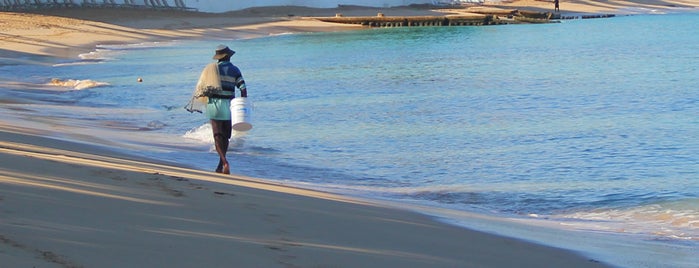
{"x": 587, "y": 126}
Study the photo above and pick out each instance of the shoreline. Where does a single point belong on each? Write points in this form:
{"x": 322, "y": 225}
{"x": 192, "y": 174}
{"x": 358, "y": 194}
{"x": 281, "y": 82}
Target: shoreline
{"x": 171, "y": 186}
{"x": 85, "y": 196}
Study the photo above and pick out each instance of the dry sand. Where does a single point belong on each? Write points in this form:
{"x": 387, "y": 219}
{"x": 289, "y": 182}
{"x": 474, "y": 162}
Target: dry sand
{"x": 66, "y": 204}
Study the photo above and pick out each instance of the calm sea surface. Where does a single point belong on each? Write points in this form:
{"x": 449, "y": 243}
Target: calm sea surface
{"x": 588, "y": 125}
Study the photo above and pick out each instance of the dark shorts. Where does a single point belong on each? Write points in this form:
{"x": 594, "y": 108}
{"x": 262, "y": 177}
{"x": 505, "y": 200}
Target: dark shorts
{"x": 222, "y": 127}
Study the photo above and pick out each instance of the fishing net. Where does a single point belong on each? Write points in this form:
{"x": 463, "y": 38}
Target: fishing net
{"x": 209, "y": 84}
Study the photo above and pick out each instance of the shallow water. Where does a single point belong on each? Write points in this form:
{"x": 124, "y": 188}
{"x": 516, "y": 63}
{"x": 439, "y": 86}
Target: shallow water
{"x": 587, "y": 124}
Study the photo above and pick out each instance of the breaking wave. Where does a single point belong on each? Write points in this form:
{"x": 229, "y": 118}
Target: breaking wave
{"x": 76, "y": 84}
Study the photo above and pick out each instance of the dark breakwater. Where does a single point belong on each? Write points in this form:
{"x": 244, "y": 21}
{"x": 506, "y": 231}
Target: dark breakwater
{"x": 475, "y": 19}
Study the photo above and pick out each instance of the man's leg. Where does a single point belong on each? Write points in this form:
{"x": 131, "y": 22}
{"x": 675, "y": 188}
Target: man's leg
{"x": 221, "y": 136}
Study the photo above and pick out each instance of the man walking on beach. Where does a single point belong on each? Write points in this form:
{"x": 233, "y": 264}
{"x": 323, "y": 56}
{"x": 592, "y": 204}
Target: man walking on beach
{"x": 555, "y": 6}
{"x": 218, "y": 107}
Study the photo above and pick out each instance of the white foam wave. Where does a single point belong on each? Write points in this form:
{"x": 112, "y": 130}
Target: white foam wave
{"x": 77, "y": 84}
{"x": 203, "y": 134}
{"x": 109, "y": 52}
{"x": 676, "y": 219}
{"x": 76, "y": 63}
{"x": 144, "y": 45}
{"x": 280, "y": 34}
{"x": 99, "y": 54}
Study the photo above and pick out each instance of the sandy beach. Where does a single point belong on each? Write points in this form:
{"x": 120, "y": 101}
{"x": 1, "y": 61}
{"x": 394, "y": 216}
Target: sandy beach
{"x": 72, "y": 204}
{"x": 86, "y": 207}
{"x": 69, "y": 32}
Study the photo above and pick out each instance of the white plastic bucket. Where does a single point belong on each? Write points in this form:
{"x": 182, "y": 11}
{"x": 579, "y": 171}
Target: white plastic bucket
{"x": 240, "y": 114}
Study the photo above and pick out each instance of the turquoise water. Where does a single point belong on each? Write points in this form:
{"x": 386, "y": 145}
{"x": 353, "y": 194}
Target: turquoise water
{"x": 587, "y": 124}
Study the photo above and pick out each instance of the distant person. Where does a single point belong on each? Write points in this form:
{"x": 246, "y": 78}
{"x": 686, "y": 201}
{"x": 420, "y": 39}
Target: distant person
{"x": 218, "y": 107}
{"x": 556, "y": 6}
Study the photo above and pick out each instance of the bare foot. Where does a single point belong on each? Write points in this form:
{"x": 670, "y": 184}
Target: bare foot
{"x": 226, "y": 169}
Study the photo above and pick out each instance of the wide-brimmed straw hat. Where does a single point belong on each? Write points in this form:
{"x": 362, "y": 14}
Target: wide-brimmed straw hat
{"x": 223, "y": 51}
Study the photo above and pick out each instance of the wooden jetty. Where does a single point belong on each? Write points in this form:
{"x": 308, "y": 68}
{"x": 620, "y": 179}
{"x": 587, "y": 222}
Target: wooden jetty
{"x": 474, "y": 19}
{"x": 477, "y": 18}
{"x": 412, "y": 21}
{"x": 584, "y": 16}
